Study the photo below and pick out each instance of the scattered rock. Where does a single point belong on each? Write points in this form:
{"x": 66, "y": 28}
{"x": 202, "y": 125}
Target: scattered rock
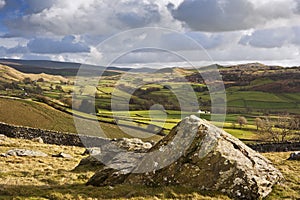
{"x": 294, "y": 156}
{"x": 24, "y": 152}
{"x": 62, "y": 155}
{"x": 194, "y": 154}
{"x": 92, "y": 151}
{"x": 39, "y": 140}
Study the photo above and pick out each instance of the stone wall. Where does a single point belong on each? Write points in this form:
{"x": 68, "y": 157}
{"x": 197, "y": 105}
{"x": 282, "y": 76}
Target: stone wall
{"x": 50, "y": 137}
{"x": 276, "y": 147}
{"x": 68, "y": 139}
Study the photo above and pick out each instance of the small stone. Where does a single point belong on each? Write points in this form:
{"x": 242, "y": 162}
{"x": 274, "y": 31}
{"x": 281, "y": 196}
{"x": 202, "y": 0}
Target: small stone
{"x": 294, "y": 156}
{"x": 3, "y": 155}
{"x": 62, "y": 155}
{"x": 2, "y": 136}
{"x": 92, "y": 151}
{"x": 38, "y": 140}
{"x": 111, "y": 188}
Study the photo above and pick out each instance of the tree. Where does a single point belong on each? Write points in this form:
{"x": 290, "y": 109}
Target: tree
{"x": 259, "y": 123}
{"x": 283, "y": 128}
{"x": 67, "y": 101}
{"x": 40, "y": 80}
{"x": 59, "y": 88}
{"x": 242, "y": 121}
{"x": 27, "y": 81}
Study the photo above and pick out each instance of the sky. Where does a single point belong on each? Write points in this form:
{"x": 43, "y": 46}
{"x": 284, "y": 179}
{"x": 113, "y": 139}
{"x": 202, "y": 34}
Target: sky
{"x": 89, "y": 31}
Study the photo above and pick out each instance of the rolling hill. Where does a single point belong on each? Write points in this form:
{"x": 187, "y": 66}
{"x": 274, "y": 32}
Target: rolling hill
{"x": 8, "y": 74}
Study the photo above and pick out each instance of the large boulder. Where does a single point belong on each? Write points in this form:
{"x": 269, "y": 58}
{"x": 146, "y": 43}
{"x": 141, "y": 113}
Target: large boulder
{"x": 195, "y": 154}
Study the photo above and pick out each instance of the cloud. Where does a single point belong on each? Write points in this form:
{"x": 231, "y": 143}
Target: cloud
{"x": 176, "y": 42}
{"x": 17, "y": 50}
{"x": 89, "y": 17}
{"x": 267, "y": 38}
{"x": 13, "y": 51}
{"x": 50, "y": 46}
{"x": 133, "y": 18}
{"x": 2, "y": 3}
{"x": 272, "y": 38}
{"x": 296, "y": 38}
{"x": 297, "y": 9}
{"x": 230, "y": 15}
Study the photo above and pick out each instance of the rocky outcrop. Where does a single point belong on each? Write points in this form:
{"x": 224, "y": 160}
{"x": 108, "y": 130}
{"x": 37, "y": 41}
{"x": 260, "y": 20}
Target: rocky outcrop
{"x": 24, "y": 152}
{"x": 195, "y": 154}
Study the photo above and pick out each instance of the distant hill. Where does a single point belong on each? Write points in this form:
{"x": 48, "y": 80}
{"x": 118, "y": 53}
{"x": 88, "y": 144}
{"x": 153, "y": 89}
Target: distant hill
{"x": 256, "y": 77}
{"x": 65, "y": 68}
{"x": 8, "y": 74}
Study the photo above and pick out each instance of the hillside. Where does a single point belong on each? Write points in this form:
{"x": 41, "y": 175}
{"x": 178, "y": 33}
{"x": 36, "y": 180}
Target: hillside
{"x": 59, "y": 68}
{"x": 9, "y": 74}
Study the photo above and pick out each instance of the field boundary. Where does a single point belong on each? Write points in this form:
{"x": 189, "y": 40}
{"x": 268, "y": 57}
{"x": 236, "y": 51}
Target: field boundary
{"x": 72, "y": 139}
{"x": 51, "y": 137}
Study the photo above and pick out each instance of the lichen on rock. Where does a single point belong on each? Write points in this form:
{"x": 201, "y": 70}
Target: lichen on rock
{"x": 199, "y": 155}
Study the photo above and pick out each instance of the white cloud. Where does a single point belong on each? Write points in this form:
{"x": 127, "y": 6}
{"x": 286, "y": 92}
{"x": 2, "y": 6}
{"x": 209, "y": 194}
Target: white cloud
{"x": 2, "y": 3}
{"x": 235, "y": 30}
{"x": 93, "y": 17}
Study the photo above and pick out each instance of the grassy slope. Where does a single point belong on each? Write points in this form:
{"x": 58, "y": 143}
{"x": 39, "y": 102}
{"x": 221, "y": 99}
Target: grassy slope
{"x": 37, "y": 115}
{"x": 52, "y": 178}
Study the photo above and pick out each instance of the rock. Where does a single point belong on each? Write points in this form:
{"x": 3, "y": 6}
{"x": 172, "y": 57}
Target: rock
{"x": 134, "y": 144}
{"x": 62, "y": 155}
{"x": 24, "y": 152}
{"x": 195, "y": 154}
{"x": 92, "y": 151}
{"x": 115, "y": 149}
{"x": 39, "y": 140}
{"x": 2, "y": 136}
{"x": 294, "y": 156}
{"x": 3, "y": 155}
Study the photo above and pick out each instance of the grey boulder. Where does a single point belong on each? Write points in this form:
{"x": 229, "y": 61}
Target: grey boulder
{"x": 195, "y": 154}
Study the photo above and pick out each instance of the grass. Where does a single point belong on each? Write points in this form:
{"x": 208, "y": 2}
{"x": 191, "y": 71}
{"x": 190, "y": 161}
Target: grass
{"x": 53, "y": 178}
{"x": 38, "y": 115}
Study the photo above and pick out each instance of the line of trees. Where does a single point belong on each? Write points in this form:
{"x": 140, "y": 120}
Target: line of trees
{"x": 277, "y": 129}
